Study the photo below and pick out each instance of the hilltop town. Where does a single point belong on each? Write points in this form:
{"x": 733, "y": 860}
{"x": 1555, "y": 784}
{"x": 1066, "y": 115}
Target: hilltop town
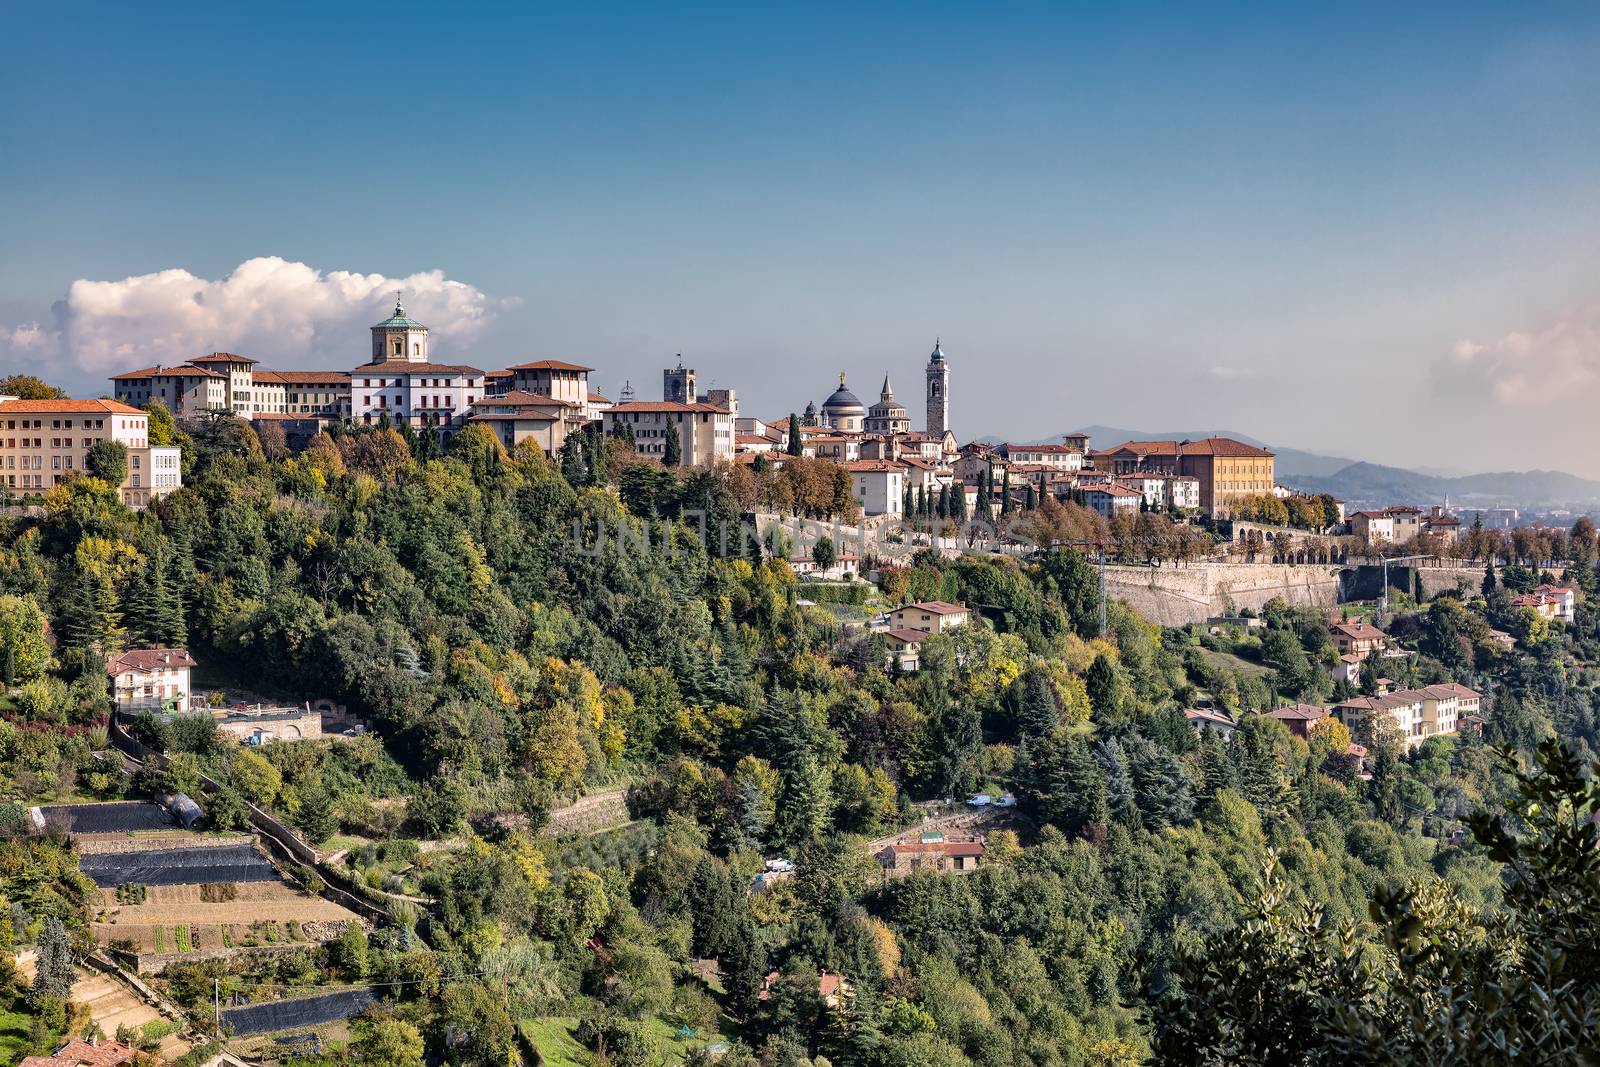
{"x": 418, "y": 712}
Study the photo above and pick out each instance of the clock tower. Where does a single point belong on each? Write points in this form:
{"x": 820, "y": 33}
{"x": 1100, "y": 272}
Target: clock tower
{"x": 938, "y": 393}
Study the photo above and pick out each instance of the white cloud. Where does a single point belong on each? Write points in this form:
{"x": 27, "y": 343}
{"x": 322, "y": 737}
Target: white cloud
{"x": 283, "y": 313}
{"x": 1544, "y": 368}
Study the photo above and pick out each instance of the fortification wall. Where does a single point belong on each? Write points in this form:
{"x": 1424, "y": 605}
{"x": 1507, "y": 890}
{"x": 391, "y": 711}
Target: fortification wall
{"x": 1175, "y": 596}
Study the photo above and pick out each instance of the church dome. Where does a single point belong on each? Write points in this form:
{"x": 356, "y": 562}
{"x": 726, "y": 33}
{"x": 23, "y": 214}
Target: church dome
{"x": 937, "y": 356}
{"x": 843, "y": 402}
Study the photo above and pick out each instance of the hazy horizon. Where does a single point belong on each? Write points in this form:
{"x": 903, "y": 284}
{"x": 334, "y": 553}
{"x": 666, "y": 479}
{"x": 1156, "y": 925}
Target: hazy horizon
{"x": 1360, "y": 232}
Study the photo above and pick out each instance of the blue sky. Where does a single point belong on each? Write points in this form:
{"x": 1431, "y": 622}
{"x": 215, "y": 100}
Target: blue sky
{"x": 1331, "y": 228}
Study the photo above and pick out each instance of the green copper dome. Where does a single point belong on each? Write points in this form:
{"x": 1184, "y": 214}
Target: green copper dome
{"x": 399, "y": 320}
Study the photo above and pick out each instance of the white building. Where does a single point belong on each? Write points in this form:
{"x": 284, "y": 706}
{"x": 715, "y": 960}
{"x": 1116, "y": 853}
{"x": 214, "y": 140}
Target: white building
{"x": 1417, "y": 714}
{"x": 1112, "y": 499}
{"x": 705, "y": 431}
{"x": 877, "y": 485}
{"x": 150, "y": 679}
{"x": 1067, "y": 457}
{"x": 403, "y": 384}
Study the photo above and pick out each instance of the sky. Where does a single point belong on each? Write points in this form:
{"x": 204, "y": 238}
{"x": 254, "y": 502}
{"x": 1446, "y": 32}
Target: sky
{"x": 1346, "y": 228}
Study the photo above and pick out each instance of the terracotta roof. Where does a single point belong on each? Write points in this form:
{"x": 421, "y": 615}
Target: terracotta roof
{"x": 149, "y": 659}
{"x": 1359, "y": 631}
{"x": 185, "y": 370}
{"x": 659, "y": 406}
{"x": 307, "y": 377}
{"x": 911, "y": 637}
{"x": 80, "y": 1053}
{"x": 1112, "y": 489}
{"x": 500, "y": 374}
{"x": 752, "y": 439}
{"x": 68, "y": 407}
{"x": 596, "y": 398}
{"x": 402, "y": 366}
{"x": 936, "y": 607}
{"x": 1309, "y": 712}
{"x": 1147, "y": 448}
{"x": 1220, "y": 446}
{"x": 521, "y": 398}
{"x": 550, "y": 364}
{"x": 1047, "y": 449}
{"x": 223, "y": 357}
{"x": 871, "y": 466}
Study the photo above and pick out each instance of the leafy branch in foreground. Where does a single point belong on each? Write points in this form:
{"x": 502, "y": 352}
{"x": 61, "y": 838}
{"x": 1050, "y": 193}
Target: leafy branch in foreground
{"x": 1444, "y": 984}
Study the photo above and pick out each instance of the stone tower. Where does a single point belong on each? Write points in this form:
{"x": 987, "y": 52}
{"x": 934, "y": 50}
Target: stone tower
{"x": 938, "y": 392}
{"x": 400, "y": 337}
{"x": 678, "y": 385}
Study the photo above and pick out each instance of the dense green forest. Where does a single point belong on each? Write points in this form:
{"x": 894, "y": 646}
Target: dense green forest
{"x": 519, "y": 630}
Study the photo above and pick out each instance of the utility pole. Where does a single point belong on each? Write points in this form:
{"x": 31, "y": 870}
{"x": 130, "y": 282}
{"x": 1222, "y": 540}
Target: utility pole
{"x": 1383, "y": 610}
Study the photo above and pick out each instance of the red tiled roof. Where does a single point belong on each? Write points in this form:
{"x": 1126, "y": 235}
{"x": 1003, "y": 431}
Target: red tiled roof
{"x": 1226, "y": 447}
{"x": 911, "y": 637}
{"x": 185, "y": 370}
{"x": 80, "y": 1053}
{"x": 223, "y": 357}
{"x": 659, "y": 406}
{"x": 551, "y": 364}
{"x": 149, "y": 659}
{"x": 936, "y": 607}
{"x": 596, "y": 398}
{"x": 1359, "y": 631}
{"x": 402, "y": 366}
{"x": 871, "y": 466}
{"x": 1309, "y": 712}
{"x": 68, "y": 407}
{"x": 305, "y": 377}
{"x": 520, "y": 398}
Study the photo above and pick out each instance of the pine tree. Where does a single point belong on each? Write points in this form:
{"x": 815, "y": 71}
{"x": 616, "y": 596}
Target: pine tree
{"x": 316, "y": 819}
{"x": 1101, "y": 682}
{"x": 1216, "y": 772}
{"x": 1039, "y": 713}
{"x": 1120, "y": 797}
{"x": 55, "y": 972}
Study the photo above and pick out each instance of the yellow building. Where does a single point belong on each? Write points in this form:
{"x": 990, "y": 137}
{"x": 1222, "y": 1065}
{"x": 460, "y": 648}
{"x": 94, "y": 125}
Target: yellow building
{"x": 46, "y": 442}
{"x": 1228, "y": 471}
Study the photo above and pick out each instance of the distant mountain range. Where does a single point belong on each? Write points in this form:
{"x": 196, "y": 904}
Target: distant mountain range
{"x": 1362, "y": 484}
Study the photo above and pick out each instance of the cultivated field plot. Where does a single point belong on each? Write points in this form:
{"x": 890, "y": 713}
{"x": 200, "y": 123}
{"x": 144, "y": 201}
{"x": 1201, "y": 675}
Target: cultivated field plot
{"x": 180, "y": 918}
{"x": 297, "y": 1014}
{"x": 179, "y": 866}
{"x": 120, "y": 817}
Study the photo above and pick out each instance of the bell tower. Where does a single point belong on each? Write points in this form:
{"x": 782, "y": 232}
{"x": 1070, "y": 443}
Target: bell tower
{"x": 938, "y": 392}
{"x": 400, "y": 337}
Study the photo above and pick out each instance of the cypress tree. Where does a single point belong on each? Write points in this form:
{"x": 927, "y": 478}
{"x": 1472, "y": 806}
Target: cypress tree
{"x": 796, "y": 443}
{"x": 1005, "y": 493}
{"x": 673, "y": 456}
